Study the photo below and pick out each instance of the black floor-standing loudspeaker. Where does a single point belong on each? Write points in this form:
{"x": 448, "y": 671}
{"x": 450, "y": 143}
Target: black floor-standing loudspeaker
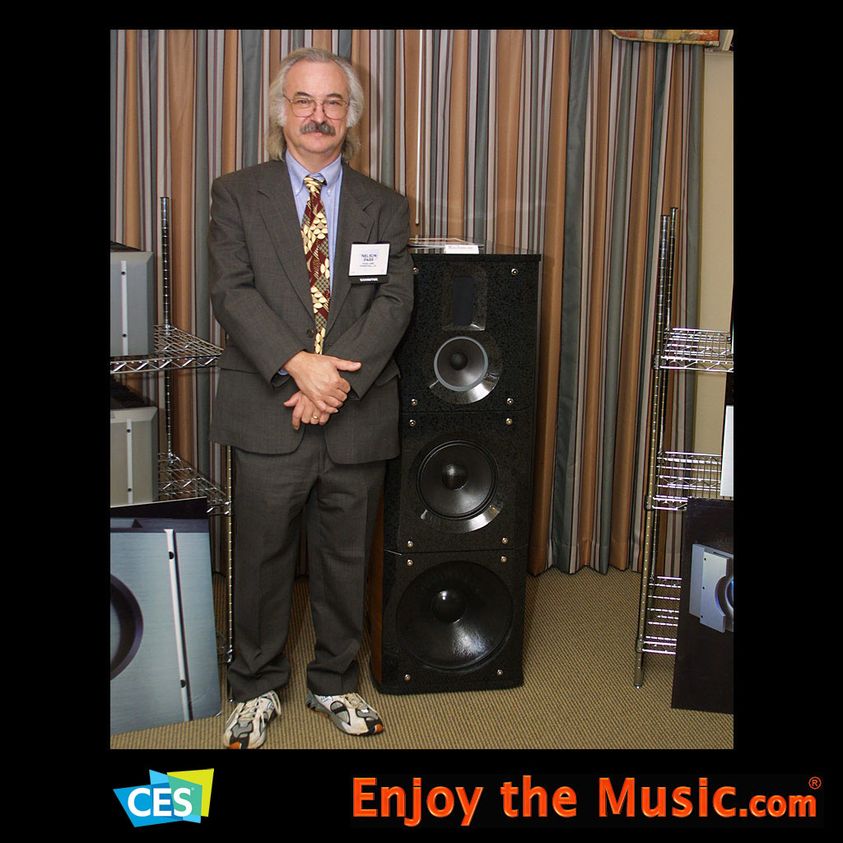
{"x": 447, "y": 592}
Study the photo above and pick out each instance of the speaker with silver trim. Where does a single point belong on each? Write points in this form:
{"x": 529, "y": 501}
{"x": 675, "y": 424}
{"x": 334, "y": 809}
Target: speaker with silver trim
{"x": 704, "y": 668}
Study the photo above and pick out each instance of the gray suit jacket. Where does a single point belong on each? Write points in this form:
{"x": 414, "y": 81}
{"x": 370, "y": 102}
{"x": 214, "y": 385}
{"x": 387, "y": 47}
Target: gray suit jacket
{"x": 261, "y": 297}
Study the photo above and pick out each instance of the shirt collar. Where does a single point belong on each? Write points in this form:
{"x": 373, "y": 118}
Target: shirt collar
{"x": 331, "y": 173}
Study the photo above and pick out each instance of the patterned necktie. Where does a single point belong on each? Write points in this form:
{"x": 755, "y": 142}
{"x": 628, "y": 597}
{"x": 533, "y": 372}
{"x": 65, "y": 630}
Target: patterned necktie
{"x": 314, "y": 232}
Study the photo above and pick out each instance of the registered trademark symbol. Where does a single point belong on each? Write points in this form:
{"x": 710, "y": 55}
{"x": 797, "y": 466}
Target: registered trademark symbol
{"x": 815, "y": 782}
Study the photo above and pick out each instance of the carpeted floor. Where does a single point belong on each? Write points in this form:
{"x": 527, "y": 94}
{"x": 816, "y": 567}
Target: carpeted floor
{"x": 577, "y": 691}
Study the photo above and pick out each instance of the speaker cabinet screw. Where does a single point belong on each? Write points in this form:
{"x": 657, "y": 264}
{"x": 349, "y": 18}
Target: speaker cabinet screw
{"x": 499, "y": 672}
{"x": 514, "y": 271}
{"x": 504, "y": 560}
{"x": 504, "y": 540}
{"x": 414, "y": 402}
{"x": 407, "y": 677}
{"x": 410, "y": 543}
{"x": 416, "y": 270}
{"x": 509, "y": 422}
{"x": 409, "y": 563}
{"x": 412, "y": 422}
{"x": 510, "y": 401}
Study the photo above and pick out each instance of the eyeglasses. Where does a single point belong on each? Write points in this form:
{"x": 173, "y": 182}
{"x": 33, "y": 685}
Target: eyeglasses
{"x": 333, "y": 107}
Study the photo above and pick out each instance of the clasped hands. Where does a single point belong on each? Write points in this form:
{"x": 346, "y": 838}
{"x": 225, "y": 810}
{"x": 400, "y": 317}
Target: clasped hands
{"x": 321, "y": 389}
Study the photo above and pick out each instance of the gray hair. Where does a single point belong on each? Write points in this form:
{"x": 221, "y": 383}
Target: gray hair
{"x": 276, "y": 143}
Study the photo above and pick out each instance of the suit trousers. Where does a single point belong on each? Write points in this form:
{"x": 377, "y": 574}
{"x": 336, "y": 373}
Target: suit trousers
{"x": 274, "y": 494}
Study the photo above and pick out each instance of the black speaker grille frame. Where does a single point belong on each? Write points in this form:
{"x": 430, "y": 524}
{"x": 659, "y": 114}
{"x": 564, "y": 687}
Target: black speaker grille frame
{"x": 491, "y": 299}
{"x": 504, "y": 521}
{"x": 468, "y": 365}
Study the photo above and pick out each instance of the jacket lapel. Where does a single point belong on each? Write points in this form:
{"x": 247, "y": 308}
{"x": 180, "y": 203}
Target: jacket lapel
{"x": 355, "y": 226}
{"x": 278, "y": 209}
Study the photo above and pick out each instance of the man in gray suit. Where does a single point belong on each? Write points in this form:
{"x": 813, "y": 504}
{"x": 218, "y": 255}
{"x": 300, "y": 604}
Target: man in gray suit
{"x": 308, "y": 394}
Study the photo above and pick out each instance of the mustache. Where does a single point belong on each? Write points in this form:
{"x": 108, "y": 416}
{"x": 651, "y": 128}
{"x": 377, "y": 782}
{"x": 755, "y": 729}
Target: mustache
{"x": 324, "y": 128}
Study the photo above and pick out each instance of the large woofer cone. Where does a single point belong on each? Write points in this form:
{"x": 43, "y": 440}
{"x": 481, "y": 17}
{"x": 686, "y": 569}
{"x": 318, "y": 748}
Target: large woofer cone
{"x": 126, "y": 626}
{"x": 457, "y": 485}
{"x": 454, "y": 615}
{"x": 466, "y": 370}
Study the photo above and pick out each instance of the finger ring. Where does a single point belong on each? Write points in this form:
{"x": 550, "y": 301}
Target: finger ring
{"x": 314, "y": 418}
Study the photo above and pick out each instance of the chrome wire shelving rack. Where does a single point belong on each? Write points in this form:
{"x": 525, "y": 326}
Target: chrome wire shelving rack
{"x": 177, "y": 350}
{"x": 680, "y": 476}
{"x": 662, "y": 616}
{"x": 695, "y": 350}
{"x": 672, "y": 477}
{"x": 173, "y": 349}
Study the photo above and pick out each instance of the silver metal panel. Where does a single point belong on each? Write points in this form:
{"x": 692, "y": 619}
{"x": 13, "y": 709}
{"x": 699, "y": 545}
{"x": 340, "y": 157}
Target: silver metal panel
{"x": 132, "y": 303}
{"x": 172, "y": 672}
{"x": 134, "y": 455}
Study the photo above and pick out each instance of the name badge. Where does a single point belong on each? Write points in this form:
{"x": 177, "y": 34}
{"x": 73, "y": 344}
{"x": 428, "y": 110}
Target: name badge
{"x": 369, "y": 259}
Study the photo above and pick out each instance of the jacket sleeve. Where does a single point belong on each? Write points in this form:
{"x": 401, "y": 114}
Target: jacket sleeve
{"x": 257, "y": 331}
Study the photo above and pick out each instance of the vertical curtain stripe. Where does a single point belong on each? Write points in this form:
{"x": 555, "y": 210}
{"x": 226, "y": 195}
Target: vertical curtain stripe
{"x": 617, "y": 246}
{"x": 455, "y": 186}
{"x": 181, "y": 98}
{"x": 118, "y": 74}
{"x": 202, "y": 200}
{"x": 252, "y": 74}
{"x": 510, "y": 52}
{"x": 562, "y": 525}
{"x": 387, "y": 84}
{"x": 550, "y": 337}
{"x": 132, "y": 223}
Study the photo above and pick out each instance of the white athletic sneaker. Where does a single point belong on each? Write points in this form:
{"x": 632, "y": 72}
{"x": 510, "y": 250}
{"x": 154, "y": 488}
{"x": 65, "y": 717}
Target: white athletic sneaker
{"x": 349, "y": 712}
{"x": 246, "y": 728}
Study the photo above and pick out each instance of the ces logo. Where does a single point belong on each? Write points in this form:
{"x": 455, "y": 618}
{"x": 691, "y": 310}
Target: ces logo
{"x": 169, "y": 797}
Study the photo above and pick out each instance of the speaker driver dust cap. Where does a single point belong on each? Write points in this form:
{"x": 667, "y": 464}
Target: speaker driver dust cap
{"x": 454, "y": 615}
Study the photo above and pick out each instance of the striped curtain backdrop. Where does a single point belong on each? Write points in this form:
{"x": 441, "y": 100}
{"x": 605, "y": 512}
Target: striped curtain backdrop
{"x": 498, "y": 136}
{"x": 633, "y": 153}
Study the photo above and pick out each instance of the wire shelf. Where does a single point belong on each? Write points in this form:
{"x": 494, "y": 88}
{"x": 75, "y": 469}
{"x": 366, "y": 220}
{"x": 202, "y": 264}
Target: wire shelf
{"x": 680, "y": 476}
{"x": 173, "y": 349}
{"x": 697, "y": 350}
{"x": 662, "y": 621}
{"x": 177, "y": 479}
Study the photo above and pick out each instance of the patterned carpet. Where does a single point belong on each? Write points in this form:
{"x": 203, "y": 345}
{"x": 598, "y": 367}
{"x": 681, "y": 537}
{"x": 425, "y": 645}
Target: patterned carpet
{"x": 577, "y": 691}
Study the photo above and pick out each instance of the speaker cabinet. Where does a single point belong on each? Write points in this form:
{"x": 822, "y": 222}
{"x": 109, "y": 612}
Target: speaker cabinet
{"x": 447, "y": 597}
{"x": 704, "y": 670}
{"x": 450, "y": 621}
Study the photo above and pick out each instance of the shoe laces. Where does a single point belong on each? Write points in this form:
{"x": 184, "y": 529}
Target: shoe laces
{"x": 356, "y": 701}
{"x": 351, "y": 700}
{"x": 258, "y": 705}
